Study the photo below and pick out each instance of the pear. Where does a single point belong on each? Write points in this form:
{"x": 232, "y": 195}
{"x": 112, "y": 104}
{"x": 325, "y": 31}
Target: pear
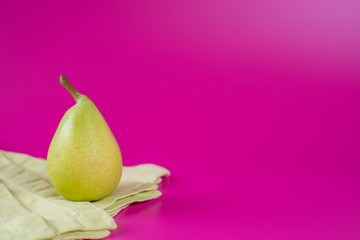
{"x": 84, "y": 160}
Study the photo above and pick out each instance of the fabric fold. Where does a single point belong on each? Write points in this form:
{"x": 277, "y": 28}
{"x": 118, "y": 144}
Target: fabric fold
{"x": 31, "y": 208}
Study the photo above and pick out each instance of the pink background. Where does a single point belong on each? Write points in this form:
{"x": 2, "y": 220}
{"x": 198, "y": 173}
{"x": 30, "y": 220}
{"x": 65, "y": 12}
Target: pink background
{"x": 254, "y": 106}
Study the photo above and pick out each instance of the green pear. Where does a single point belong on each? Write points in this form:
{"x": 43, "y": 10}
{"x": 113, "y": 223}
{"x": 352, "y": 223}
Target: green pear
{"x": 84, "y": 160}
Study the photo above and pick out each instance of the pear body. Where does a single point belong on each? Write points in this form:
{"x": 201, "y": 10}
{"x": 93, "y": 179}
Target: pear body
{"x": 84, "y": 160}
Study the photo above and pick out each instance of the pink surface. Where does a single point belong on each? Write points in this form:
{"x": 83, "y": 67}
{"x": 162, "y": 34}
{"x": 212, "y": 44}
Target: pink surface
{"x": 252, "y": 105}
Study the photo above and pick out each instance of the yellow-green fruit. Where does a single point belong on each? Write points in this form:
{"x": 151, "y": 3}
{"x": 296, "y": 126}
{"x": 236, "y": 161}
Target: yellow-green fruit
{"x": 84, "y": 160}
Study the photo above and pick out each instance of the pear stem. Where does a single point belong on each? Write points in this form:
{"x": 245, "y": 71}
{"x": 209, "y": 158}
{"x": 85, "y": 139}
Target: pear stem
{"x": 66, "y": 84}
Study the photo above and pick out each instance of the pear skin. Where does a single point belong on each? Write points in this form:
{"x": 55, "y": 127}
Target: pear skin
{"x": 84, "y": 160}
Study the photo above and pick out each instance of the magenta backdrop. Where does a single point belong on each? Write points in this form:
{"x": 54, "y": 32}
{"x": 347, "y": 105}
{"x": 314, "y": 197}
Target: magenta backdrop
{"x": 254, "y": 106}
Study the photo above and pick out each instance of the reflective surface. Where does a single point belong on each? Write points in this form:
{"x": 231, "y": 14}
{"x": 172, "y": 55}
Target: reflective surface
{"x": 252, "y": 105}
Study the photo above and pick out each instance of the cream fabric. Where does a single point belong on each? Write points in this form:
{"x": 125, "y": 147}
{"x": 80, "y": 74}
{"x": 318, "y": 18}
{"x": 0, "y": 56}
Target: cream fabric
{"x": 30, "y": 208}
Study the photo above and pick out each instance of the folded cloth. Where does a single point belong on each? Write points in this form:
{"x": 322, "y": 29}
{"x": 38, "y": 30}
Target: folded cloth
{"x": 31, "y": 208}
